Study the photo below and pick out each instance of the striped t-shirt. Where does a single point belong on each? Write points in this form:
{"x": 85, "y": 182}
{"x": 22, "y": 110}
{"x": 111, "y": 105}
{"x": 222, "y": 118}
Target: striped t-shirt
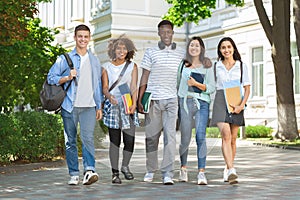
{"x": 163, "y": 65}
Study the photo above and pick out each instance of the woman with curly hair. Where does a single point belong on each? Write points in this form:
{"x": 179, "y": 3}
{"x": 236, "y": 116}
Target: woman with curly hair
{"x": 118, "y": 121}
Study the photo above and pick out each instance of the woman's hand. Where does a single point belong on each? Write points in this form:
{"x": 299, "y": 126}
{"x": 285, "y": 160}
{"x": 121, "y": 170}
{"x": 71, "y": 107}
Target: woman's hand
{"x": 132, "y": 108}
{"x": 237, "y": 109}
{"x": 191, "y": 81}
{"x": 112, "y": 100}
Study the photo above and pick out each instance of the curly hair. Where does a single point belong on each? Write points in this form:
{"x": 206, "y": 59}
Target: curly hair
{"x": 123, "y": 40}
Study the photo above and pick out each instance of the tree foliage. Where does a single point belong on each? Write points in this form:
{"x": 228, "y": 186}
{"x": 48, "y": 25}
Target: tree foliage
{"x": 25, "y": 59}
{"x": 13, "y": 19}
{"x": 193, "y": 10}
{"x": 277, "y": 32}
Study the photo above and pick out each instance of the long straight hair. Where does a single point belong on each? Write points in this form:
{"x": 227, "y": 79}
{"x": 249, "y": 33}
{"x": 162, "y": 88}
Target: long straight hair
{"x": 236, "y": 54}
{"x": 188, "y": 58}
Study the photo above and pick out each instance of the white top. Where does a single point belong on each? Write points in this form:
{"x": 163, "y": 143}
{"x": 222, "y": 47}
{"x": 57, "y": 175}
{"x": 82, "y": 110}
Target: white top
{"x": 84, "y": 93}
{"x": 114, "y": 72}
{"x": 163, "y": 65}
{"x": 224, "y": 75}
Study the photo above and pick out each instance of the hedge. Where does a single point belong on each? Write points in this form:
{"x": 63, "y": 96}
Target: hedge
{"x": 30, "y": 136}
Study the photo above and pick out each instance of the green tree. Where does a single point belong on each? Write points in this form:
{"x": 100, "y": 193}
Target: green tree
{"x": 25, "y": 57}
{"x": 12, "y": 19}
{"x": 278, "y": 33}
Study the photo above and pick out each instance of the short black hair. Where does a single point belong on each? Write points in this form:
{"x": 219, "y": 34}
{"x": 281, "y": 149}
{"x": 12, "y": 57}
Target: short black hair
{"x": 165, "y": 22}
{"x": 82, "y": 27}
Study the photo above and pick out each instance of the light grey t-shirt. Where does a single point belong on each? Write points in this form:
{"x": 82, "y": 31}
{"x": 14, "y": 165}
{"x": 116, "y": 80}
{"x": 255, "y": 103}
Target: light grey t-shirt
{"x": 84, "y": 94}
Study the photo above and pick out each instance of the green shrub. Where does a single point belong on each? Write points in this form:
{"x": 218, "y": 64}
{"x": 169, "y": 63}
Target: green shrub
{"x": 258, "y": 132}
{"x": 212, "y": 132}
{"x": 251, "y": 132}
{"x": 9, "y": 132}
{"x": 31, "y": 136}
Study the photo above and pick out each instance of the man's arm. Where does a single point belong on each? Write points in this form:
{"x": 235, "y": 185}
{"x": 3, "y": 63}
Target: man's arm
{"x": 142, "y": 89}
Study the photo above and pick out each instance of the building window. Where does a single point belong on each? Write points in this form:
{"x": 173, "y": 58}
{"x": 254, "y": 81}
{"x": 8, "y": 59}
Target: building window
{"x": 296, "y": 67}
{"x": 257, "y": 72}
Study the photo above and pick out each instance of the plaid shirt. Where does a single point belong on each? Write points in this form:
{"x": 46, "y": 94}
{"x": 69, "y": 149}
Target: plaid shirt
{"x": 113, "y": 116}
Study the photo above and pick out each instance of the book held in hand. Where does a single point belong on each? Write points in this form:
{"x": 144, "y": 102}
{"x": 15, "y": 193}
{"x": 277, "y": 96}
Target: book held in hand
{"x": 146, "y": 101}
{"x": 199, "y": 78}
{"x": 126, "y": 97}
{"x": 127, "y": 101}
{"x": 233, "y": 94}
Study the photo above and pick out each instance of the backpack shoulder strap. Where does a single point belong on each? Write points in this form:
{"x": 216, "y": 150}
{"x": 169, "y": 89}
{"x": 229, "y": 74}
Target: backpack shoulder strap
{"x": 69, "y": 61}
{"x": 215, "y": 71}
{"x": 71, "y": 65}
{"x": 179, "y": 72}
{"x": 241, "y": 68}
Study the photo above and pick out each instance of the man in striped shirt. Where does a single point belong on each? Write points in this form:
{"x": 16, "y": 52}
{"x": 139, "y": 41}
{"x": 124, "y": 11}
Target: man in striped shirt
{"x": 160, "y": 64}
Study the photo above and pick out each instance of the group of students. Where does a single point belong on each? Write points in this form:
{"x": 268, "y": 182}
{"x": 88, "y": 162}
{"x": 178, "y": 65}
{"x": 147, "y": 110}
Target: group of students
{"x": 167, "y": 76}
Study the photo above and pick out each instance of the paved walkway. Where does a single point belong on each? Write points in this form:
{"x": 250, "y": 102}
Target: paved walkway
{"x": 264, "y": 173}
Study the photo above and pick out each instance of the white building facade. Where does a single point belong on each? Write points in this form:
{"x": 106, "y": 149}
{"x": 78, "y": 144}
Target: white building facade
{"x": 138, "y": 19}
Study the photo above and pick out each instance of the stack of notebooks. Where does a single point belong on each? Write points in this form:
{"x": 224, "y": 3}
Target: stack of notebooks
{"x": 126, "y": 97}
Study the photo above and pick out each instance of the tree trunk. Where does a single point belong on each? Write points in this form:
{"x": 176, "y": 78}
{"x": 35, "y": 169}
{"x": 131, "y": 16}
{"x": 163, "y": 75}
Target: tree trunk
{"x": 296, "y": 11}
{"x": 287, "y": 121}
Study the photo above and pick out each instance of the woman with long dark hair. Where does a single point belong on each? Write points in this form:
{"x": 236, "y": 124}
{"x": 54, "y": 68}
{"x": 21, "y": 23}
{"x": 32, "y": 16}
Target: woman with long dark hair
{"x": 229, "y": 68}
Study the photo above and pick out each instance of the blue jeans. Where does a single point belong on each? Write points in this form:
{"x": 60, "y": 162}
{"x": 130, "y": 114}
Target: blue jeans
{"x": 199, "y": 118}
{"x": 86, "y": 117}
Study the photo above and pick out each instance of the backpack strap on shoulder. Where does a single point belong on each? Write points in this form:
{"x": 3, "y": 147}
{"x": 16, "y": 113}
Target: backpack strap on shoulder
{"x": 179, "y": 72}
{"x": 215, "y": 71}
{"x": 241, "y": 68}
{"x": 71, "y": 65}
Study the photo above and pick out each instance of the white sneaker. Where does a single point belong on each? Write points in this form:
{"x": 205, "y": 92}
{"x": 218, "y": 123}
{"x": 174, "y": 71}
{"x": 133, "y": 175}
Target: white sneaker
{"x": 168, "y": 181}
{"x": 74, "y": 180}
{"x": 148, "y": 177}
{"x": 183, "y": 176}
{"x": 225, "y": 175}
{"x": 89, "y": 178}
{"x": 232, "y": 176}
{"x": 201, "y": 179}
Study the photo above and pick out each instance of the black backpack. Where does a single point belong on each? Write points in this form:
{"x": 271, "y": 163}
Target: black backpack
{"x": 52, "y": 96}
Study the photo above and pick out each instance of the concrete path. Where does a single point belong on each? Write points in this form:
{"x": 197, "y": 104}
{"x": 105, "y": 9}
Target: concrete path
{"x": 264, "y": 173}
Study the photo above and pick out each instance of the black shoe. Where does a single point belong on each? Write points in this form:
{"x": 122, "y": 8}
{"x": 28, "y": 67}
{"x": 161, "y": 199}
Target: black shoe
{"x": 128, "y": 175}
{"x": 115, "y": 178}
